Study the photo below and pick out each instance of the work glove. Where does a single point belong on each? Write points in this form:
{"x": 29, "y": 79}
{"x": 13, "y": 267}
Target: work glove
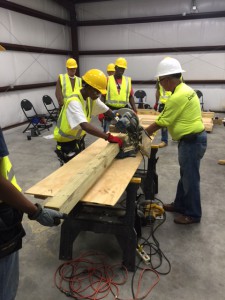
{"x": 155, "y": 106}
{"x": 101, "y": 117}
{"x": 47, "y": 217}
{"x": 114, "y": 139}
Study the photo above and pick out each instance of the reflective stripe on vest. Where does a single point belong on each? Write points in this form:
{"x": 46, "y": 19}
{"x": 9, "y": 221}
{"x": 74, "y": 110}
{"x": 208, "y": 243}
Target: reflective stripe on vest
{"x": 66, "y": 85}
{"x": 113, "y": 97}
{"x": 163, "y": 95}
{"x": 7, "y": 172}
{"x": 63, "y": 131}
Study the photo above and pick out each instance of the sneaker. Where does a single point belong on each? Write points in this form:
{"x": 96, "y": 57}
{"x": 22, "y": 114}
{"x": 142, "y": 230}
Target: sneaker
{"x": 185, "y": 220}
{"x": 162, "y": 145}
{"x": 221, "y": 162}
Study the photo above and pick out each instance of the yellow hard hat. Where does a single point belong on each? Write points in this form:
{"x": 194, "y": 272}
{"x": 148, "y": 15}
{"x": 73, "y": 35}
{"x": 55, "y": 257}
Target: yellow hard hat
{"x": 2, "y": 48}
{"x": 121, "y": 62}
{"x": 97, "y": 79}
{"x": 111, "y": 68}
{"x": 71, "y": 63}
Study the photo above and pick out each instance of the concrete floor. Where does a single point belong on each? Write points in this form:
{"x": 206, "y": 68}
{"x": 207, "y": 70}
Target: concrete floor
{"x": 196, "y": 252}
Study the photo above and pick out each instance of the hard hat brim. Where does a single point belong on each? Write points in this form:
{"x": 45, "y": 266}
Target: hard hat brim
{"x": 121, "y": 66}
{"x": 73, "y": 67}
{"x": 103, "y": 92}
{"x": 168, "y": 73}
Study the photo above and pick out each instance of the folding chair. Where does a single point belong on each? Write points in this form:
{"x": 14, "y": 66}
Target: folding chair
{"x": 141, "y": 95}
{"x": 36, "y": 121}
{"x": 51, "y": 108}
{"x": 200, "y": 96}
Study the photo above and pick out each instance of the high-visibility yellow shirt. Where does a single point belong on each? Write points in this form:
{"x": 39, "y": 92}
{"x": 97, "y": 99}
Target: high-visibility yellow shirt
{"x": 67, "y": 89}
{"x": 118, "y": 96}
{"x": 182, "y": 113}
{"x": 63, "y": 132}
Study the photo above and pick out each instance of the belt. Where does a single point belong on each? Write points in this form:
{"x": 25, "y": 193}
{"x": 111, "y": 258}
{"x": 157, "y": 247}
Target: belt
{"x": 191, "y": 136}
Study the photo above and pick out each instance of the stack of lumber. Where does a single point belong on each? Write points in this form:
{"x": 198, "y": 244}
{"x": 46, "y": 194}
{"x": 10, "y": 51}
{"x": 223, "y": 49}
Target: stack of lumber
{"x": 147, "y": 117}
{"x": 92, "y": 176}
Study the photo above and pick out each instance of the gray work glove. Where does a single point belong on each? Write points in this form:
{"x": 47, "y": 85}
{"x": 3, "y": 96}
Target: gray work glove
{"x": 46, "y": 216}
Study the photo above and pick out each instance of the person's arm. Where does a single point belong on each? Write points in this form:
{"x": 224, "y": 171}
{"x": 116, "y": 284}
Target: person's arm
{"x": 132, "y": 103}
{"x": 152, "y": 128}
{"x": 11, "y": 196}
{"x": 96, "y": 132}
{"x": 58, "y": 93}
{"x": 157, "y": 95}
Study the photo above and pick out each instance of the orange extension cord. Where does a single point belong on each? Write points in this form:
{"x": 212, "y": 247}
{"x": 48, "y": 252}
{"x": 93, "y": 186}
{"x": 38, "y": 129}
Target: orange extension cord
{"x": 89, "y": 277}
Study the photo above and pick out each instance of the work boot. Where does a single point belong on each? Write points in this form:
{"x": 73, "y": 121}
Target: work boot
{"x": 185, "y": 220}
{"x": 221, "y": 162}
{"x": 169, "y": 207}
{"x": 162, "y": 145}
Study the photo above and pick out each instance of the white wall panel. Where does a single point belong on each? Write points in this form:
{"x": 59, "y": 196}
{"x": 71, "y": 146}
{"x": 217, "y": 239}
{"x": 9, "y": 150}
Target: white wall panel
{"x": 143, "y": 67}
{"x": 153, "y": 35}
{"x": 20, "y": 29}
{"x": 143, "y": 8}
{"x": 18, "y": 68}
{"x": 48, "y": 7}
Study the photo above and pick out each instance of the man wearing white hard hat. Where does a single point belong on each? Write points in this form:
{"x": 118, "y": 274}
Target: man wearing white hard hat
{"x": 182, "y": 116}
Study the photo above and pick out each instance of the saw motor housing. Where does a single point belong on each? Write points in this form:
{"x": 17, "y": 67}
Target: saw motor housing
{"x": 127, "y": 122}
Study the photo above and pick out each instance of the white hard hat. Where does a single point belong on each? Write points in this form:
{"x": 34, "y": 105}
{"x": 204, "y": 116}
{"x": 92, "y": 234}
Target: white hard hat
{"x": 169, "y": 66}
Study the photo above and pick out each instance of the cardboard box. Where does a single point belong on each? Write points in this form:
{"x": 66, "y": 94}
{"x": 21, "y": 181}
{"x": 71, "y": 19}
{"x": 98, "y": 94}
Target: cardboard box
{"x": 217, "y": 121}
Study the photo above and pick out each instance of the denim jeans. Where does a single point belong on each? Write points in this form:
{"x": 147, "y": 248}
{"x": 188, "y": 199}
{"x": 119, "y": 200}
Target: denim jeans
{"x": 190, "y": 153}
{"x": 164, "y": 135}
{"x": 106, "y": 125}
{"x": 9, "y": 276}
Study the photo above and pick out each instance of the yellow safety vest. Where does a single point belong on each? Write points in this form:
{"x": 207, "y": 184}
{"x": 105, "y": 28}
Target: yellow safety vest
{"x": 7, "y": 172}
{"x": 163, "y": 95}
{"x": 66, "y": 85}
{"x": 63, "y": 131}
{"x": 113, "y": 97}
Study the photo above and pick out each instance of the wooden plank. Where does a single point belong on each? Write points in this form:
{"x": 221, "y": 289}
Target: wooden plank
{"x": 51, "y": 184}
{"x": 147, "y": 112}
{"x": 114, "y": 181}
{"x": 208, "y": 114}
{"x": 146, "y": 120}
{"x": 82, "y": 180}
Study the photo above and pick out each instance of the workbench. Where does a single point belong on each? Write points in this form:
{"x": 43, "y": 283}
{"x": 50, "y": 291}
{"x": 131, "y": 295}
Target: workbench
{"x": 96, "y": 211}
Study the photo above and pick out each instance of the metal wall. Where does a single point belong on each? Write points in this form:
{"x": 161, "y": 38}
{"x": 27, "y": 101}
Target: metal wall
{"x": 183, "y": 33}
{"x": 21, "y": 68}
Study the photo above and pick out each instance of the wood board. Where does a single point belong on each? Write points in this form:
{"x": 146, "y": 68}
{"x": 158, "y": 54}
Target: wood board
{"x": 82, "y": 180}
{"x": 50, "y": 185}
{"x": 146, "y": 120}
{"x": 108, "y": 188}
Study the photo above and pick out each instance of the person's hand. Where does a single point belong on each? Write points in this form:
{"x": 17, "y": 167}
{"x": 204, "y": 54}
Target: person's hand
{"x": 114, "y": 139}
{"x": 46, "y": 216}
{"x": 155, "y": 106}
{"x": 101, "y": 117}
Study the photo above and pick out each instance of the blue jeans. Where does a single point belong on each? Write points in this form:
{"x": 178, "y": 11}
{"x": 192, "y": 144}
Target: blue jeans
{"x": 190, "y": 153}
{"x": 106, "y": 125}
{"x": 9, "y": 276}
{"x": 164, "y": 135}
